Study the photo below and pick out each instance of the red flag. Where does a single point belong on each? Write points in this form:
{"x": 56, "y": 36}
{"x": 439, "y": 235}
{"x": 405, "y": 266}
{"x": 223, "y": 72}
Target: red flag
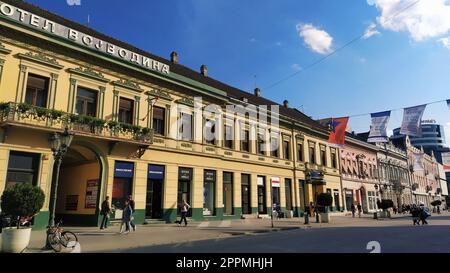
{"x": 337, "y": 134}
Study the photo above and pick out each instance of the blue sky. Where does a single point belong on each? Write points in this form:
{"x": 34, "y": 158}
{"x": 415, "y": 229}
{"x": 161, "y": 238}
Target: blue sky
{"x": 405, "y": 63}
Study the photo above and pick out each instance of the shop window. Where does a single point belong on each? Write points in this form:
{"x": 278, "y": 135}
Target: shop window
{"x": 228, "y": 193}
{"x": 209, "y": 192}
{"x": 37, "y": 90}
{"x": 159, "y": 120}
{"x": 126, "y": 110}
{"x": 22, "y": 168}
{"x": 86, "y": 102}
{"x": 288, "y": 187}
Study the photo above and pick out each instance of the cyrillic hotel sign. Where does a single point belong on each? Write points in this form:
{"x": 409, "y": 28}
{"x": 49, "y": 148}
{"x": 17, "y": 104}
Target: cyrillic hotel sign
{"x": 43, "y": 24}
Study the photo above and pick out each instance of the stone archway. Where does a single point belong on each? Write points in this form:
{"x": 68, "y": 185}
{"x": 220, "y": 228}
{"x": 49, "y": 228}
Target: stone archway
{"x": 81, "y": 185}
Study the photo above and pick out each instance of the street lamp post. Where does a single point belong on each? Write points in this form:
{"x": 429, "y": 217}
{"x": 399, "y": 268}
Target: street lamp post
{"x": 59, "y": 144}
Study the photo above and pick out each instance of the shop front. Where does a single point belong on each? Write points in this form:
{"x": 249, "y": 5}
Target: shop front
{"x": 262, "y": 208}
{"x": 122, "y": 186}
{"x": 209, "y": 186}
{"x": 184, "y": 188}
{"x": 155, "y": 192}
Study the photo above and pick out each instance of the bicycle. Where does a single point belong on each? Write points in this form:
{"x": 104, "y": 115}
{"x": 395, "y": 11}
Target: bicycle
{"x": 59, "y": 238}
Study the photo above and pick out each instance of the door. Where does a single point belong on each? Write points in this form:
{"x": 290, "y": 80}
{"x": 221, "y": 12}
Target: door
{"x": 262, "y": 200}
{"x": 336, "y": 201}
{"x": 348, "y": 199}
{"x": 154, "y": 199}
{"x": 246, "y": 209}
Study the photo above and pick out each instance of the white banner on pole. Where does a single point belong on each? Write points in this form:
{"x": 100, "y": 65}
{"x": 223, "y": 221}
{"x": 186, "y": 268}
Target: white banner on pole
{"x": 412, "y": 118}
{"x": 378, "y": 130}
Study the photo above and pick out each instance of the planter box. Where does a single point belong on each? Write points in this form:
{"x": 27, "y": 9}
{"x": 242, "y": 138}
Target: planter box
{"x": 324, "y": 217}
{"x": 15, "y": 240}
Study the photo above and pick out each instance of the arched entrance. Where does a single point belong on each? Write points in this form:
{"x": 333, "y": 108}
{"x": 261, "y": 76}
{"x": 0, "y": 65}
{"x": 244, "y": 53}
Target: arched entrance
{"x": 80, "y": 185}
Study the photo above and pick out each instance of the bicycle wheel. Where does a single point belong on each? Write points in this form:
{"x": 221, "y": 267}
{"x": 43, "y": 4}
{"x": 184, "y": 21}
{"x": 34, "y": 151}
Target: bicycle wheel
{"x": 54, "y": 241}
{"x": 69, "y": 239}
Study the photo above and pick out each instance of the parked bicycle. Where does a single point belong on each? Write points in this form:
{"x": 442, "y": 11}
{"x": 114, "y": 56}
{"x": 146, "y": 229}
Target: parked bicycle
{"x": 58, "y": 238}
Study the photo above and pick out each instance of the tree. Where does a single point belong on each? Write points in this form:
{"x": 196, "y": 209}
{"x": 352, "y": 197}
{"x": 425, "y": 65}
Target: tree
{"x": 22, "y": 200}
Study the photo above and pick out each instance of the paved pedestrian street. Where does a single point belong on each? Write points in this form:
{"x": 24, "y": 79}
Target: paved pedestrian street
{"x": 344, "y": 235}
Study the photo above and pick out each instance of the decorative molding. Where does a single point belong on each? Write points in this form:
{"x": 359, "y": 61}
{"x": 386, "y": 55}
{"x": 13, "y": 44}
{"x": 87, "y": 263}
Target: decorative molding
{"x": 23, "y": 68}
{"x": 89, "y": 72}
{"x": 245, "y": 156}
{"x": 159, "y": 93}
{"x": 186, "y": 101}
{"x": 4, "y": 50}
{"x": 129, "y": 85}
{"x": 40, "y": 58}
{"x": 2, "y": 62}
{"x": 137, "y": 98}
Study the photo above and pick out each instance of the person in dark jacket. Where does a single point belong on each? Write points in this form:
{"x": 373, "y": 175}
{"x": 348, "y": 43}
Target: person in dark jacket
{"x": 359, "y": 210}
{"x": 132, "y": 205}
{"x": 353, "y": 209}
{"x": 415, "y": 213}
{"x": 126, "y": 217}
{"x": 184, "y": 208}
{"x": 105, "y": 211}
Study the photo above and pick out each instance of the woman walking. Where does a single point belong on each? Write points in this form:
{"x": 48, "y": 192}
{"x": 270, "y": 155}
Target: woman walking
{"x": 184, "y": 210}
{"x": 126, "y": 218}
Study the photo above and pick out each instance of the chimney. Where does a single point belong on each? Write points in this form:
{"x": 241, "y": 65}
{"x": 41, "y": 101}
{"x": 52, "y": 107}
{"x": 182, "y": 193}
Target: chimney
{"x": 204, "y": 70}
{"x": 286, "y": 103}
{"x": 257, "y": 92}
{"x": 174, "y": 57}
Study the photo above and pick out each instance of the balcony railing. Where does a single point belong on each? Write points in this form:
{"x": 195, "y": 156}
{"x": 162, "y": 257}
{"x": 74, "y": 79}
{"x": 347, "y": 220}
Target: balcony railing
{"x": 28, "y": 115}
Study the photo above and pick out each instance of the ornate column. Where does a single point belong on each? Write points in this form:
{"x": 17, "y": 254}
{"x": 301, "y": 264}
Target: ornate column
{"x": 72, "y": 91}
{"x": 137, "y": 104}
{"x": 20, "y": 96}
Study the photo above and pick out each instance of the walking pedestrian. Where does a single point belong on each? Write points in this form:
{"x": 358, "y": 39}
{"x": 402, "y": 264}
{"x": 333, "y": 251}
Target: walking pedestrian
{"x": 105, "y": 211}
{"x": 311, "y": 209}
{"x": 132, "y": 205}
{"x": 353, "y": 210}
{"x": 126, "y": 218}
{"x": 359, "y": 210}
{"x": 415, "y": 213}
{"x": 424, "y": 214}
{"x": 184, "y": 207}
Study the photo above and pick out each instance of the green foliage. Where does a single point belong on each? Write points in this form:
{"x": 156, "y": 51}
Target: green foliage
{"x": 23, "y": 107}
{"x": 146, "y": 131}
{"x": 22, "y": 200}
{"x": 4, "y": 107}
{"x": 42, "y": 112}
{"x": 386, "y": 204}
{"x": 324, "y": 199}
{"x": 56, "y": 114}
{"x": 125, "y": 127}
{"x": 112, "y": 124}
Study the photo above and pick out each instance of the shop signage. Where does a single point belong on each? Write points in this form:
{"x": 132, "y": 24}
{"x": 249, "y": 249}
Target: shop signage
{"x": 315, "y": 175}
{"x": 185, "y": 174}
{"x": 260, "y": 181}
{"x": 210, "y": 176}
{"x": 275, "y": 182}
{"x": 91, "y": 193}
{"x": 44, "y": 25}
{"x": 156, "y": 172}
{"x": 123, "y": 169}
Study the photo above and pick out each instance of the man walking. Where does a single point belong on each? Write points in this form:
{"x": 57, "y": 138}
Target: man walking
{"x": 126, "y": 217}
{"x": 353, "y": 209}
{"x": 359, "y": 210}
{"x": 184, "y": 210}
{"x": 105, "y": 211}
{"x": 132, "y": 205}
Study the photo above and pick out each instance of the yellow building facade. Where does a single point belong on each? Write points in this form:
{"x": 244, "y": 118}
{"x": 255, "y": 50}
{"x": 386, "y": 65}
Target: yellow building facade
{"x": 141, "y": 128}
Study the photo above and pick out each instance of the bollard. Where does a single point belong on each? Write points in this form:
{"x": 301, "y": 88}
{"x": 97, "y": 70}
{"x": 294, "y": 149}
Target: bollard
{"x": 306, "y": 218}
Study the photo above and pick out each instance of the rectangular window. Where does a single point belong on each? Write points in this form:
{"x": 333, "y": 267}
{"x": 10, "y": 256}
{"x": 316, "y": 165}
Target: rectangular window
{"x": 126, "y": 110}
{"x": 288, "y": 187}
{"x": 300, "y": 152}
{"x": 245, "y": 194}
{"x": 323, "y": 157}
{"x": 37, "y": 90}
{"x": 245, "y": 141}
{"x": 333, "y": 158}
{"x": 86, "y": 102}
{"x": 22, "y": 168}
{"x": 228, "y": 138}
{"x": 228, "y": 193}
{"x": 286, "y": 150}
{"x": 210, "y": 132}
{"x": 185, "y": 127}
{"x": 312, "y": 155}
{"x": 159, "y": 120}
{"x": 274, "y": 146}
{"x": 260, "y": 149}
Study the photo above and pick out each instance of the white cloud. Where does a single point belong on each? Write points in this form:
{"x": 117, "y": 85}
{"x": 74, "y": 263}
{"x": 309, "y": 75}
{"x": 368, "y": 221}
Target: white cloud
{"x": 371, "y": 31}
{"x": 296, "y": 67}
{"x": 278, "y": 43}
{"x": 316, "y": 39}
{"x": 445, "y": 42}
{"x": 423, "y": 20}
